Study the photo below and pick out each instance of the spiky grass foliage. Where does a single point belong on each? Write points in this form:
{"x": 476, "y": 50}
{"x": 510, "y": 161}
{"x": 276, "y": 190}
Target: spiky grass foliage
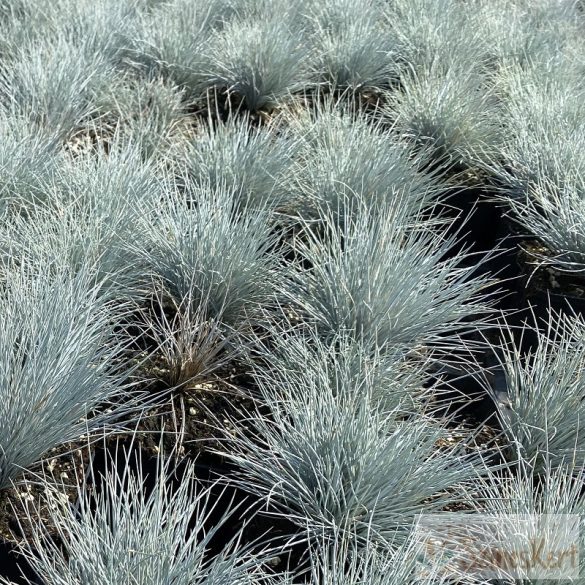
{"x": 130, "y": 533}
{"x": 54, "y": 85}
{"x": 250, "y": 67}
{"x": 88, "y": 218}
{"x": 542, "y": 416}
{"x": 354, "y": 46}
{"x": 202, "y": 248}
{"x": 101, "y": 26}
{"x": 173, "y": 41}
{"x": 190, "y": 346}
{"x": 98, "y": 25}
{"x": 555, "y": 215}
{"x": 338, "y": 562}
{"x": 148, "y": 113}
{"x": 11, "y": 10}
{"x": 454, "y": 113}
{"x": 29, "y": 163}
{"x": 387, "y": 283}
{"x": 71, "y": 241}
{"x": 512, "y": 496}
{"x": 60, "y": 361}
{"x": 24, "y": 22}
{"x": 105, "y": 180}
{"x": 345, "y": 159}
{"x": 540, "y": 164}
{"x": 256, "y": 161}
{"x": 330, "y": 462}
{"x": 292, "y": 12}
{"x": 543, "y": 121}
{"x": 298, "y": 359}
{"x": 524, "y": 32}
{"x": 425, "y": 31}
{"x": 92, "y": 27}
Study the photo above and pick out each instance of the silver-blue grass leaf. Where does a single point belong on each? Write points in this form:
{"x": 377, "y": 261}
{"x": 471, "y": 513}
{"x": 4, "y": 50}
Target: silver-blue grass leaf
{"x": 255, "y": 162}
{"x": 149, "y": 114}
{"x": 555, "y": 216}
{"x": 190, "y": 345}
{"x": 346, "y": 160}
{"x": 425, "y": 31}
{"x": 354, "y": 46}
{"x": 247, "y": 63}
{"x": 551, "y": 493}
{"x": 128, "y": 533}
{"x": 542, "y": 119}
{"x": 201, "y": 247}
{"x": 54, "y": 85}
{"x": 173, "y": 41}
{"x": 293, "y": 361}
{"x": 339, "y": 561}
{"x": 453, "y": 113}
{"x": 29, "y": 164}
{"x": 59, "y": 361}
{"x": 387, "y": 283}
{"x": 88, "y": 217}
{"x": 330, "y": 463}
{"x": 542, "y": 414}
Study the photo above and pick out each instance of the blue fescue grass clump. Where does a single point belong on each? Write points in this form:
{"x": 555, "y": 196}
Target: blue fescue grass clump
{"x": 226, "y": 46}
{"x": 341, "y": 561}
{"x": 87, "y": 219}
{"x": 298, "y": 359}
{"x": 128, "y": 533}
{"x": 147, "y": 113}
{"x": 542, "y": 416}
{"x": 172, "y": 41}
{"x": 257, "y": 162}
{"x": 551, "y": 493}
{"x": 257, "y": 191}
{"x": 387, "y": 282}
{"x": 555, "y": 215}
{"x": 542, "y": 121}
{"x": 190, "y": 344}
{"x": 329, "y": 462}
{"x": 340, "y": 443}
{"x": 354, "y": 46}
{"x": 61, "y": 360}
{"x": 248, "y": 65}
{"x": 427, "y": 30}
{"x": 98, "y": 26}
{"x": 453, "y": 113}
{"x": 54, "y": 85}
{"x": 542, "y": 169}
{"x": 202, "y": 247}
{"x": 29, "y": 163}
{"x": 345, "y": 160}
{"x": 525, "y": 32}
